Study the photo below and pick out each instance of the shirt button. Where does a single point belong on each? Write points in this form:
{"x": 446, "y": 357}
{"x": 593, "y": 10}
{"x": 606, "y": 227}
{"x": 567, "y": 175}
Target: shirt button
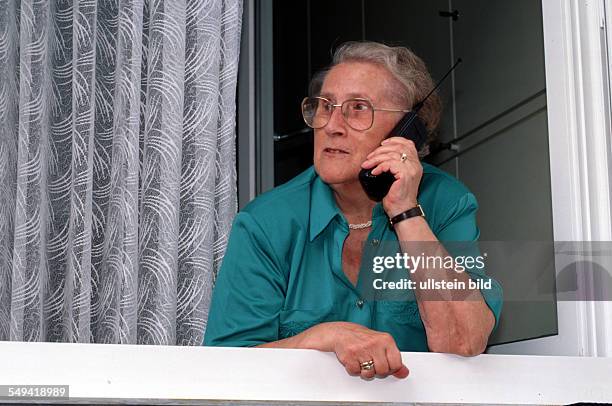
{"x": 359, "y": 303}
{"x": 375, "y": 242}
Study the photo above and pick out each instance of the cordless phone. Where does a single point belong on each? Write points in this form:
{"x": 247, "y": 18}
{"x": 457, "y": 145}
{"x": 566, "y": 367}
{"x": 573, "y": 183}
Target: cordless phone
{"x": 411, "y": 127}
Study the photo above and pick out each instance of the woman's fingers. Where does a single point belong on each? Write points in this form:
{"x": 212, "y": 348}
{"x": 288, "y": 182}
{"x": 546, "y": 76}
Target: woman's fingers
{"x": 397, "y": 167}
{"x": 359, "y": 345}
{"x": 390, "y": 154}
{"x": 392, "y": 151}
{"x": 381, "y": 364}
{"x": 399, "y": 141}
{"x": 385, "y": 356}
{"x": 386, "y": 149}
{"x": 368, "y": 373}
{"x": 407, "y": 147}
{"x": 402, "y": 373}
{"x": 401, "y": 144}
{"x": 382, "y": 157}
{"x": 352, "y": 366}
{"x": 396, "y": 365}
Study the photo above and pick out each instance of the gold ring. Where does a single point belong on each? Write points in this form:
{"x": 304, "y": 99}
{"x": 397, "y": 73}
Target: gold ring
{"x": 367, "y": 365}
{"x": 404, "y": 157}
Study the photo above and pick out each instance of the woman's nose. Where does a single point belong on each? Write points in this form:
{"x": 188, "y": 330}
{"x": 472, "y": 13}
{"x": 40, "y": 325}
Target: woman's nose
{"x": 336, "y": 124}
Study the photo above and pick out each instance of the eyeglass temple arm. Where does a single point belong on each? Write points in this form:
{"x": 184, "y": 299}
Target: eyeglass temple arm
{"x": 393, "y": 110}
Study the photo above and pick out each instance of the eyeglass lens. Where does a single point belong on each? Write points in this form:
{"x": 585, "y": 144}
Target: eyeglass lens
{"x": 358, "y": 114}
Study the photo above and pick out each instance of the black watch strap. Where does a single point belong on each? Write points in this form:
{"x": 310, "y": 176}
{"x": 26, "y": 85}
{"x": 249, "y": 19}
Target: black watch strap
{"x": 414, "y": 212}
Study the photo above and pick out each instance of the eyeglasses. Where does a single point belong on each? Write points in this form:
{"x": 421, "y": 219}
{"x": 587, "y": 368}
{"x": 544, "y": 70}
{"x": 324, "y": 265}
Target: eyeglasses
{"x": 358, "y": 113}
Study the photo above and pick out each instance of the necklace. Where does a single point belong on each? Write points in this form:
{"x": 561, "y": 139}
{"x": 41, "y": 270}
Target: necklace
{"x": 360, "y": 226}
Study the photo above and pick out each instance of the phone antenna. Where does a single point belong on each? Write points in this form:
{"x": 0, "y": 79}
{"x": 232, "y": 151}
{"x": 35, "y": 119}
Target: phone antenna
{"x": 418, "y": 106}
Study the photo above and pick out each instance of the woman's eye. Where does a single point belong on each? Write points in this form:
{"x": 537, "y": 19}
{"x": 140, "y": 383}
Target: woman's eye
{"x": 360, "y": 107}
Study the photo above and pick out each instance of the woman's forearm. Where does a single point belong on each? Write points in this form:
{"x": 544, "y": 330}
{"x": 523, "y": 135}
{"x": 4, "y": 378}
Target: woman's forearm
{"x": 319, "y": 337}
{"x": 452, "y": 326}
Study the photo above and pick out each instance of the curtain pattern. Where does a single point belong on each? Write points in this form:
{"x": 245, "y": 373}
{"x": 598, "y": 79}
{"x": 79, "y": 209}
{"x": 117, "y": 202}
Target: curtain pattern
{"x": 117, "y": 166}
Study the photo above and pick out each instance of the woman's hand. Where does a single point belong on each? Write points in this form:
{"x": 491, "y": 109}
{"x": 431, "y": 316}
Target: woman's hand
{"x": 388, "y": 158}
{"x": 354, "y": 344}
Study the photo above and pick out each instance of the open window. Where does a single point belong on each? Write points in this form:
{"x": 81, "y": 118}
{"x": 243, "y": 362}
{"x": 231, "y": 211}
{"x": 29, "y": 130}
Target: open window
{"x": 494, "y": 135}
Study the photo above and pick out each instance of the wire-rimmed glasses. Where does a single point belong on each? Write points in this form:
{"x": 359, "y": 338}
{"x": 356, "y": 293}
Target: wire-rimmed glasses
{"x": 357, "y": 112}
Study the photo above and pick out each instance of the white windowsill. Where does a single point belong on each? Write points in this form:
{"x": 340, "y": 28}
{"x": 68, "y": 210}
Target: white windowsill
{"x": 120, "y": 373}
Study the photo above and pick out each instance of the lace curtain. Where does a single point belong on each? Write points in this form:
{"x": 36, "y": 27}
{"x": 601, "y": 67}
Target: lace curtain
{"x": 117, "y": 166}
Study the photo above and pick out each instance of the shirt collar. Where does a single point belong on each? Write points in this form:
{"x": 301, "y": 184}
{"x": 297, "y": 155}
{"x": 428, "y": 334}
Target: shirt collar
{"x": 323, "y": 208}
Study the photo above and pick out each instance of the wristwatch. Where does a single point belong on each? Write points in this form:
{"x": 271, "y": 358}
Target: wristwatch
{"x": 414, "y": 212}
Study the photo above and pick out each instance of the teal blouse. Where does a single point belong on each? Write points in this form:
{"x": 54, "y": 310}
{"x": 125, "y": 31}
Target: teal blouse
{"x": 282, "y": 271}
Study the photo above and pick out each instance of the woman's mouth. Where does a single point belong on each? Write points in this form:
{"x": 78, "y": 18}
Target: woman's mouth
{"x": 334, "y": 151}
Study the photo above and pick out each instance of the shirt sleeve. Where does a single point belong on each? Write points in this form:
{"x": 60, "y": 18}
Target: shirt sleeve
{"x": 461, "y": 226}
{"x": 249, "y": 291}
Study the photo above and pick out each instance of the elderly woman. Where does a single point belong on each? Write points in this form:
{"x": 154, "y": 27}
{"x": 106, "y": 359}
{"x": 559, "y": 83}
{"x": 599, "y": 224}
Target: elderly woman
{"x": 291, "y": 271}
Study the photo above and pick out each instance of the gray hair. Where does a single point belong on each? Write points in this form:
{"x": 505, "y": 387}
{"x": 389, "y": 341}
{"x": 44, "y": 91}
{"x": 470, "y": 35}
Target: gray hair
{"x": 408, "y": 69}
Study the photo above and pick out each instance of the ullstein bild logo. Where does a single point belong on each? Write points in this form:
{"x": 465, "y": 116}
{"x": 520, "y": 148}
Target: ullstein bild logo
{"x": 432, "y": 284}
